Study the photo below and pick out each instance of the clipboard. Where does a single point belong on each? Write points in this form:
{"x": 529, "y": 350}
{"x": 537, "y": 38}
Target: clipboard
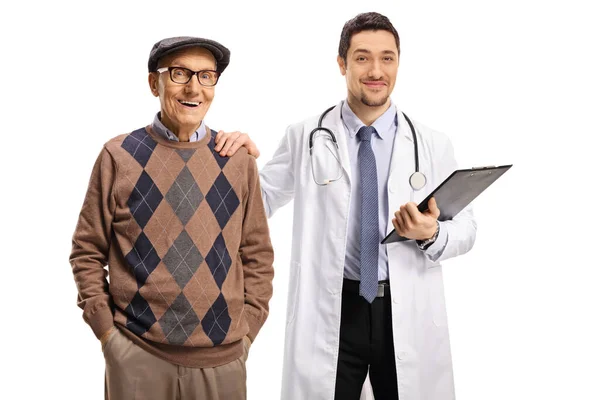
{"x": 456, "y": 192}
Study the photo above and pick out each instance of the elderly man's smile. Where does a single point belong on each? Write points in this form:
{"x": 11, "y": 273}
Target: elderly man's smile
{"x": 189, "y": 104}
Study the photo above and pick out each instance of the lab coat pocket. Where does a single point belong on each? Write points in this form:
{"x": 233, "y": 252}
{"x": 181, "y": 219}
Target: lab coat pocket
{"x": 293, "y": 291}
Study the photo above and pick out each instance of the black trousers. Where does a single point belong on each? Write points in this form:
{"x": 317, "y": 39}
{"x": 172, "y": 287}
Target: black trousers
{"x": 366, "y": 346}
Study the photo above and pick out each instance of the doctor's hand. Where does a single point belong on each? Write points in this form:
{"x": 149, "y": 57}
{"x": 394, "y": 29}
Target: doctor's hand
{"x": 227, "y": 144}
{"x": 412, "y": 224}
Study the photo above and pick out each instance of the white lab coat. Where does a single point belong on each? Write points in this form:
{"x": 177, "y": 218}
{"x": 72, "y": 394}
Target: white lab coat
{"x": 423, "y": 361}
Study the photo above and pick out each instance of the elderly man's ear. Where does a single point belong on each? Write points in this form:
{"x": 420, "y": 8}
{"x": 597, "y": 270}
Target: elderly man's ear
{"x": 153, "y": 82}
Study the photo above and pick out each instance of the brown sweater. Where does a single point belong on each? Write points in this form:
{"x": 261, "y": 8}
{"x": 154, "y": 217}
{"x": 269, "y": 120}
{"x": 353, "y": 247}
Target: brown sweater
{"x": 185, "y": 237}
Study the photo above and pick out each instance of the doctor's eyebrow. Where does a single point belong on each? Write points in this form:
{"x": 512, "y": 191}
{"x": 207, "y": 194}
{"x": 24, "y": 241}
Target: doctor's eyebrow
{"x": 387, "y": 52}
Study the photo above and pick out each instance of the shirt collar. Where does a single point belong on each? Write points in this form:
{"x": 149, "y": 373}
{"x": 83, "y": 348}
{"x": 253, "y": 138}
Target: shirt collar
{"x": 385, "y": 125}
{"x": 161, "y": 129}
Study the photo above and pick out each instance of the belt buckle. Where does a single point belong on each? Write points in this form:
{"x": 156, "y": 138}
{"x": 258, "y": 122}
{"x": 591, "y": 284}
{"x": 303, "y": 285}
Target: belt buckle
{"x": 380, "y": 290}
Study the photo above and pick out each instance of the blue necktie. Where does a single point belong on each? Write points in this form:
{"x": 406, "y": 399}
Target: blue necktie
{"x": 369, "y": 216}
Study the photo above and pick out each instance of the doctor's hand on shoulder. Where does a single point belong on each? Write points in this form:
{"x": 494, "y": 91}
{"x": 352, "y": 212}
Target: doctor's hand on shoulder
{"x": 410, "y": 223}
{"x": 227, "y": 144}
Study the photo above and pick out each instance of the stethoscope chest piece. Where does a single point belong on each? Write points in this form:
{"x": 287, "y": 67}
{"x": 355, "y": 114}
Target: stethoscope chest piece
{"x": 417, "y": 180}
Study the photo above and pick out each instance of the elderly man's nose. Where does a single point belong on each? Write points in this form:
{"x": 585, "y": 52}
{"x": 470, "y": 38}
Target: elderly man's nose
{"x": 193, "y": 86}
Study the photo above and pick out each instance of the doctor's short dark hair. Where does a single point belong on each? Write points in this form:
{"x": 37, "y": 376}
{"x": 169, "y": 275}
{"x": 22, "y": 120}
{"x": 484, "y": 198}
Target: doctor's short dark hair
{"x": 370, "y": 21}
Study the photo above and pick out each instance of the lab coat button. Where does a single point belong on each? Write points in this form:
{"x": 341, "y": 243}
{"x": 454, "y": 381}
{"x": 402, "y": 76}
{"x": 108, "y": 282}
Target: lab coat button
{"x": 392, "y": 188}
{"x": 396, "y": 301}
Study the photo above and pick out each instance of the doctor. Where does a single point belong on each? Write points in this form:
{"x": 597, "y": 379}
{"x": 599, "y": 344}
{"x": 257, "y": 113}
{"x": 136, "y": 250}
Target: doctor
{"x": 357, "y": 307}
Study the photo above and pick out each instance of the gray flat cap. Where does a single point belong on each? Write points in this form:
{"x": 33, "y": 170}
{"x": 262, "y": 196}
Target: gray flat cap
{"x": 169, "y": 45}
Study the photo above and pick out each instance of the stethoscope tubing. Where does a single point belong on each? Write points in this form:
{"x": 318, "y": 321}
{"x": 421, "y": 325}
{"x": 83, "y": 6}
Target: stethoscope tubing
{"x": 417, "y": 180}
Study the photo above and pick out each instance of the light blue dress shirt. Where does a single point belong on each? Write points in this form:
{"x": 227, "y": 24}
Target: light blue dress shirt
{"x": 382, "y": 144}
{"x": 161, "y": 129}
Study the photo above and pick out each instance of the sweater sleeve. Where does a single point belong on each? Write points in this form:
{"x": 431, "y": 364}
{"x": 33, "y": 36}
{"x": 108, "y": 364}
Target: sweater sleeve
{"x": 91, "y": 243}
{"x": 256, "y": 254}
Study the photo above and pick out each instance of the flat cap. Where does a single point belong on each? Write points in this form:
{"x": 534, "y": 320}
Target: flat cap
{"x": 170, "y": 45}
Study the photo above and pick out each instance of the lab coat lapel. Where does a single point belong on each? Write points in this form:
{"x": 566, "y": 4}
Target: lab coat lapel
{"x": 401, "y": 167}
{"x": 333, "y": 121}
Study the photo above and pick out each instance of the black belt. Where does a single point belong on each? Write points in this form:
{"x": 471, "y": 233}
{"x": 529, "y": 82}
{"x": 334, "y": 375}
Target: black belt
{"x": 352, "y": 286}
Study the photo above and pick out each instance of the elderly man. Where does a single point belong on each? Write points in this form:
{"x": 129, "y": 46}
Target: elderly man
{"x": 185, "y": 237}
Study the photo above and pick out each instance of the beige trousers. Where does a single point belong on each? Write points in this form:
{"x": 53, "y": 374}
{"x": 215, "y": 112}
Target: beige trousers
{"x": 133, "y": 373}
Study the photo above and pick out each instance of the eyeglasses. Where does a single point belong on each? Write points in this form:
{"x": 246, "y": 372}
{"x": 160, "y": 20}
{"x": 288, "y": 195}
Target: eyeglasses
{"x": 183, "y": 75}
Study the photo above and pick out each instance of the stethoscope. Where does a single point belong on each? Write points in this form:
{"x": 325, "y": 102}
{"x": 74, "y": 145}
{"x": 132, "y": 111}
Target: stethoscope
{"x": 417, "y": 180}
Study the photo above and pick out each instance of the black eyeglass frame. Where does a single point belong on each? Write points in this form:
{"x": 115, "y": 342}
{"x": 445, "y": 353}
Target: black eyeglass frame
{"x": 170, "y": 69}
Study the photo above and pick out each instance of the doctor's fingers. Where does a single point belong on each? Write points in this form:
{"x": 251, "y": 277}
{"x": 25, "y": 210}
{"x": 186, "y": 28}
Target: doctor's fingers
{"x": 234, "y": 142}
{"x": 226, "y": 139}
{"x": 221, "y": 138}
{"x": 403, "y": 219}
{"x": 433, "y": 209}
{"x": 413, "y": 212}
{"x": 218, "y": 139}
{"x": 410, "y": 217}
{"x": 397, "y": 226}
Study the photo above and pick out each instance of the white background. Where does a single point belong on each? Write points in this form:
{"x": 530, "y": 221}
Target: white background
{"x": 509, "y": 82}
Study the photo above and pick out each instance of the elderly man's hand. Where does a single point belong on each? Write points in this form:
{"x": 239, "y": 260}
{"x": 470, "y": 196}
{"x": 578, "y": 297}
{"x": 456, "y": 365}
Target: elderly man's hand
{"x": 412, "y": 224}
{"x": 227, "y": 144}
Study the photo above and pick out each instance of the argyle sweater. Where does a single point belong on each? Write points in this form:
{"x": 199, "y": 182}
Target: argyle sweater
{"x": 185, "y": 237}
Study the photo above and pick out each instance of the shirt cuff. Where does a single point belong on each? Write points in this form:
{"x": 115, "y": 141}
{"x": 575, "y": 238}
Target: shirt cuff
{"x": 436, "y": 249}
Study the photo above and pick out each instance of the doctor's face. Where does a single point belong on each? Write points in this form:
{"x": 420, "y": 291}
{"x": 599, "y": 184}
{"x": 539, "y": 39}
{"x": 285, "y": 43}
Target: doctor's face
{"x": 370, "y": 68}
